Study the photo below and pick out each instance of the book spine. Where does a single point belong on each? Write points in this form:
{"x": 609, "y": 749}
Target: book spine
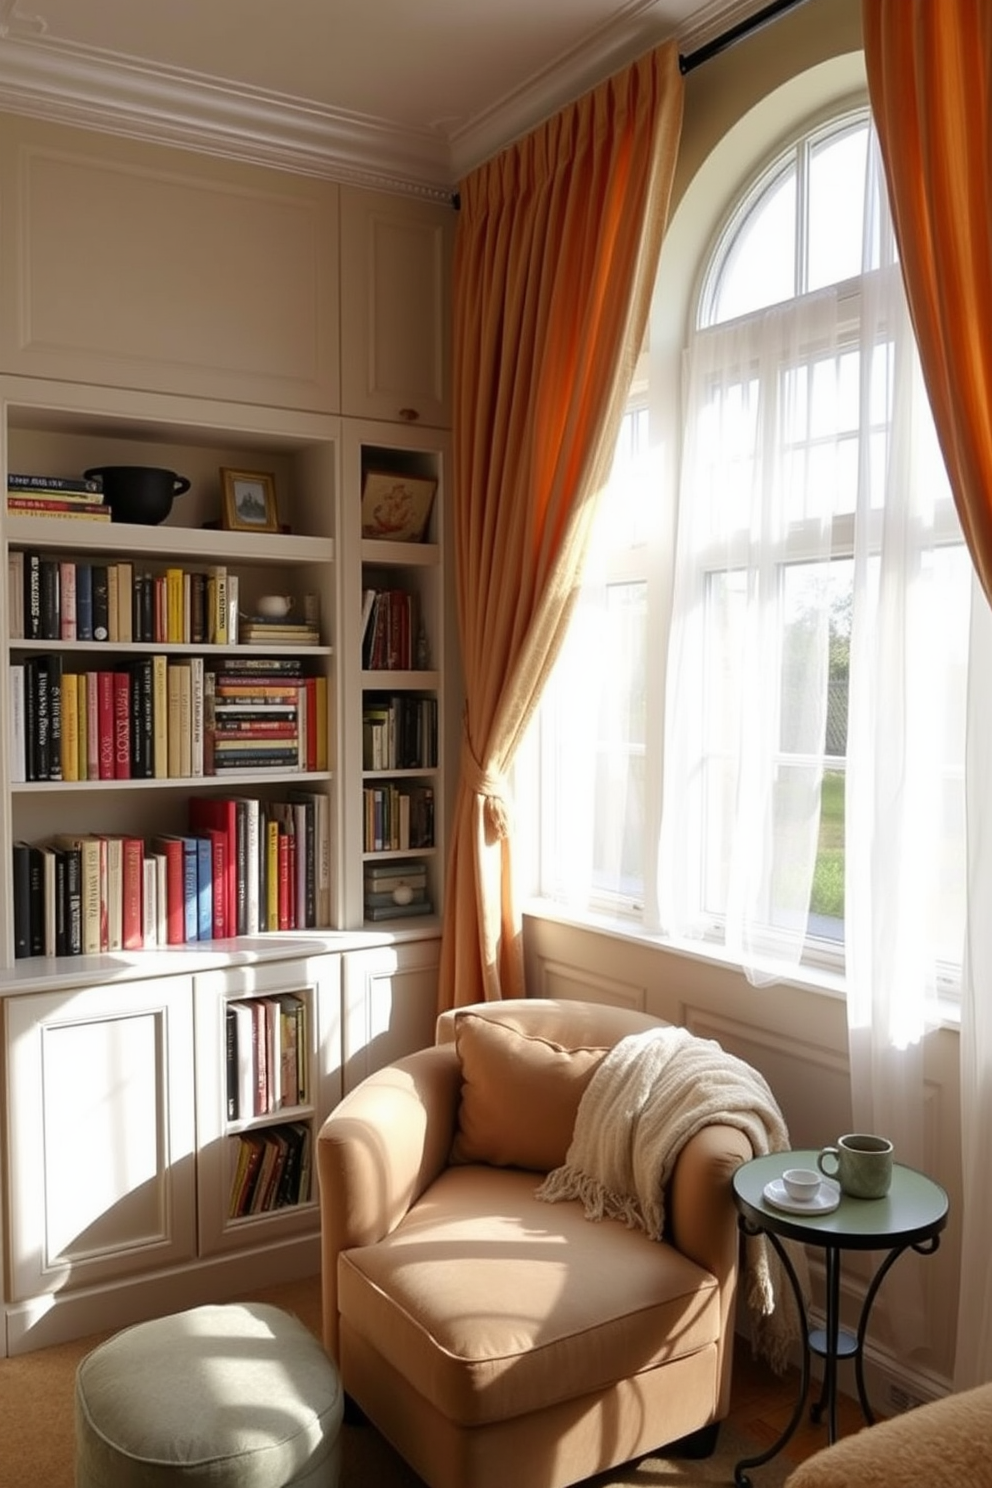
{"x": 101, "y": 603}
{"x": 149, "y": 914}
{"x": 15, "y": 594}
{"x": 204, "y": 888}
{"x": 191, "y": 912}
{"x": 16, "y": 724}
{"x": 122, "y": 724}
{"x": 84, "y": 601}
{"x": 92, "y": 726}
{"x": 22, "y": 900}
{"x": 70, "y": 726}
{"x": 160, "y": 717}
{"x": 112, "y": 612}
{"x": 175, "y": 900}
{"x": 133, "y": 873}
{"x": 67, "y": 586}
{"x": 105, "y": 724}
{"x": 81, "y": 485}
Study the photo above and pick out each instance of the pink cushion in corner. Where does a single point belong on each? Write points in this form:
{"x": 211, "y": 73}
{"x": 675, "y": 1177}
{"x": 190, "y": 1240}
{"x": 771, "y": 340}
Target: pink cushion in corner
{"x": 519, "y": 1095}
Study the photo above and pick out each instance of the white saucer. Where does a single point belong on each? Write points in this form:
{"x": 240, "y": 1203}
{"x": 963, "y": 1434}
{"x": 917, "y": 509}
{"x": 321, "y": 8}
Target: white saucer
{"x": 827, "y": 1197}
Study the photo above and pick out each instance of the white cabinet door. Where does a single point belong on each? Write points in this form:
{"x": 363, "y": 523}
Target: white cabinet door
{"x": 226, "y": 1134}
{"x": 396, "y": 308}
{"x": 101, "y": 1129}
{"x": 389, "y": 1005}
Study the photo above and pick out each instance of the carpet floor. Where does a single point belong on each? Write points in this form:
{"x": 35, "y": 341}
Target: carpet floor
{"x": 36, "y": 1427}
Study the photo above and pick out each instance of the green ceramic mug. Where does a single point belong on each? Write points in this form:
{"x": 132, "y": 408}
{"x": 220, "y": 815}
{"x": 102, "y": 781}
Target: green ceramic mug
{"x": 862, "y": 1164}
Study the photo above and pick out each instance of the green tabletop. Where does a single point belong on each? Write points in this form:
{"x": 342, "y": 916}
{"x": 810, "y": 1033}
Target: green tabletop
{"x": 914, "y": 1209}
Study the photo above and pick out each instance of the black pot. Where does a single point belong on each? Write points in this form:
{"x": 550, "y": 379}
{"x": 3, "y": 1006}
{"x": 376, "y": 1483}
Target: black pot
{"x": 139, "y": 493}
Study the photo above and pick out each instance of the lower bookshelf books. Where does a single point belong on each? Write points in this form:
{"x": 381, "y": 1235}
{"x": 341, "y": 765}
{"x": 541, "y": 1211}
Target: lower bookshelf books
{"x": 267, "y": 1045}
{"x": 272, "y": 1169}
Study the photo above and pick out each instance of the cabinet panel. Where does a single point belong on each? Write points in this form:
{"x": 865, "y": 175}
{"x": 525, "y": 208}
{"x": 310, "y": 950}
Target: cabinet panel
{"x": 389, "y": 1005}
{"x": 100, "y": 1123}
{"x": 395, "y": 308}
{"x": 184, "y": 275}
{"x": 248, "y": 1110}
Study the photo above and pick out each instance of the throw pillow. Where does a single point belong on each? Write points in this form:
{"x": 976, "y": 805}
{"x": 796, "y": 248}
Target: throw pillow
{"x": 519, "y": 1095}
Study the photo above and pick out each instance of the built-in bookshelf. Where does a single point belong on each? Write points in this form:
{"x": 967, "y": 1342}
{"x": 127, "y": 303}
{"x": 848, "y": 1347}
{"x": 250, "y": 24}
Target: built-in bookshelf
{"x": 167, "y": 696}
{"x": 397, "y": 737}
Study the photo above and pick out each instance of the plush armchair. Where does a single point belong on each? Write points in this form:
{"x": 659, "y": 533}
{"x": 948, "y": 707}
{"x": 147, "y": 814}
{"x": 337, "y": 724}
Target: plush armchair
{"x": 491, "y": 1336}
{"x": 943, "y": 1444}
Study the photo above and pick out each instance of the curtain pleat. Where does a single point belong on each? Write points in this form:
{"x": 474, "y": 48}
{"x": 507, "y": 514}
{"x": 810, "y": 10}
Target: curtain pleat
{"x": 555, "y": 258}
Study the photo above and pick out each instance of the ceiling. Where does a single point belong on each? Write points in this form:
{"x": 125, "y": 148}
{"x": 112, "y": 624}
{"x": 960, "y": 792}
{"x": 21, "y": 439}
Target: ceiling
{"x": 408, "y": 93}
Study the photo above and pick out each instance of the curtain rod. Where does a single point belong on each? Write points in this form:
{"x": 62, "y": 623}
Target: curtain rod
{"x": 743, "y": 28}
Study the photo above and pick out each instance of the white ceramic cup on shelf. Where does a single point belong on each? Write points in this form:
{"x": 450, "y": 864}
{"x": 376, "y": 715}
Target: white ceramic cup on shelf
{"x": 275, "y": 606}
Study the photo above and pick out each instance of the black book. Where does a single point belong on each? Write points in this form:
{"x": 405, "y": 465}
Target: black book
{"x": 31, "y": 719}
{"x": 142, "y": 720}
{"x": 84, "y": 602}
{"x": 32, "y": 596}
{"x": 22, "y": 900}
{"x": 42, "y": 721}
{"x": 101, "y": 603}
{"x": 36, "y": 902}
{"x": 145, "y": 619}
{"x": 61, "y": 903}
{"x": 73, "y": 900}
{"x": 231, "y": 1029}
{"x": 51, "y": 602}
{"x": 52, "y": 668}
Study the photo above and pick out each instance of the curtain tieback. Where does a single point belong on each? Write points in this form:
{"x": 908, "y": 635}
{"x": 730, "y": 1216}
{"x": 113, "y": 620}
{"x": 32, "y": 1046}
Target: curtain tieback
{"x": 492, "y": 788}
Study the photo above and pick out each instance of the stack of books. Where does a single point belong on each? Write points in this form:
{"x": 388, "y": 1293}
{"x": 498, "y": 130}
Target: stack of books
{"x": 257, "y": 630}
{"x": 395, "y": 890}
{"x": 56, "y": 496}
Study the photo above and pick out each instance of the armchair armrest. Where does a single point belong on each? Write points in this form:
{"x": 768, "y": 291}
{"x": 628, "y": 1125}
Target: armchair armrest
{"x": 377, "y": 1152}
{"x": 702, "y": 1223}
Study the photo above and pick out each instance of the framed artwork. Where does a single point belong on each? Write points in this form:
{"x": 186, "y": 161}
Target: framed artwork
{"x": 248, "y": 501}
{"x": 395, "y": 507}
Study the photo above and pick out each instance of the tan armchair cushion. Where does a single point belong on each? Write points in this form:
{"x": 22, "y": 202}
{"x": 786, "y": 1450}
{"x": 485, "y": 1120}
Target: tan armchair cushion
{"x": 519, "y": 1095}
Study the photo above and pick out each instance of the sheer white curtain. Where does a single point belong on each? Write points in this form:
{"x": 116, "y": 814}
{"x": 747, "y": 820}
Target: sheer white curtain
{"x": 746, "y": 705}
{"x": 813, "y": 465}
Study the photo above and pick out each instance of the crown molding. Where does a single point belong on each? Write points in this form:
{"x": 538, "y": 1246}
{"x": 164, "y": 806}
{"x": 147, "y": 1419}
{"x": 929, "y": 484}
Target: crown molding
{"x": 46, "y": 79}
{"x": 72, "y": 86}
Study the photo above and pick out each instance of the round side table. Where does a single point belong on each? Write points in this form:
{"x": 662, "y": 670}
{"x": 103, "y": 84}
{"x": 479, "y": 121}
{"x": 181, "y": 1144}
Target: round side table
{"x": 911, "y": 1216}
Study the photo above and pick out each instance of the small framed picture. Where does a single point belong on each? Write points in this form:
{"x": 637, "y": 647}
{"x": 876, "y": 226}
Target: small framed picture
{"x": 248, "y": 501}
{"x": 396, "y": 508}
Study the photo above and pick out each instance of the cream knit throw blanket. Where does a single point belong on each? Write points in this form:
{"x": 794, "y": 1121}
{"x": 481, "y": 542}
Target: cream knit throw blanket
{"x": 647, "y": 1097}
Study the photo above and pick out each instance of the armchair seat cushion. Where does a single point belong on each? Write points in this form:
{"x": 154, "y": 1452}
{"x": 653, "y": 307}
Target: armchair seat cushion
{"x": 533, "y": 1305}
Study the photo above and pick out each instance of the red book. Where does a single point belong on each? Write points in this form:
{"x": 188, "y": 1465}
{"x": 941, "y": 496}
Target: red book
{"x": 122, "y": 725}
{"x": 134, "y": 873}
{"x": 175, "y": 888}
{"x": 105, "y": 723}
{"x": 218, "y": 845}
{"x": 206, "y": 812}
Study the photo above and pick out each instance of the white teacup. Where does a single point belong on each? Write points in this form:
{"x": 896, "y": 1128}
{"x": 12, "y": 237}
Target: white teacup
{"x": 275, "y": 606}
{"x": 801, "y": 1183}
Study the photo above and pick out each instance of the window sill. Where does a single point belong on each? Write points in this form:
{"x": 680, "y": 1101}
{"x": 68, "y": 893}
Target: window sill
{"x": 813, "y": 979}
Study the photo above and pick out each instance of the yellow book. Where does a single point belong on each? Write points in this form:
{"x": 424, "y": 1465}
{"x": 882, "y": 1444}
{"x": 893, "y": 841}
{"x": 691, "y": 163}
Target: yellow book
{"x": 174, "y": 604}
{"x": 322, "y": 724}
{"x": 219, "y": 611}
{"x": 272, "y": 875}
{"x": 160, "y": 717}
{"x": 70, "y": 726}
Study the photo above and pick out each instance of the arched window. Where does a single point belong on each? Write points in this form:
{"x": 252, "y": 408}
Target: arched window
{"x": 700, "y": 770}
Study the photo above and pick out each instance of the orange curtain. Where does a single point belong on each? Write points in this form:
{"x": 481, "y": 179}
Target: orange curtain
{"x": 556, "y": 253}
{"x": 929, "y": 65}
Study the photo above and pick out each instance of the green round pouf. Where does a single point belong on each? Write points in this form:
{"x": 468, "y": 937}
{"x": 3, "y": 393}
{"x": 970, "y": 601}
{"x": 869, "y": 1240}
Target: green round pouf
{"x": 240, "y": 1395}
